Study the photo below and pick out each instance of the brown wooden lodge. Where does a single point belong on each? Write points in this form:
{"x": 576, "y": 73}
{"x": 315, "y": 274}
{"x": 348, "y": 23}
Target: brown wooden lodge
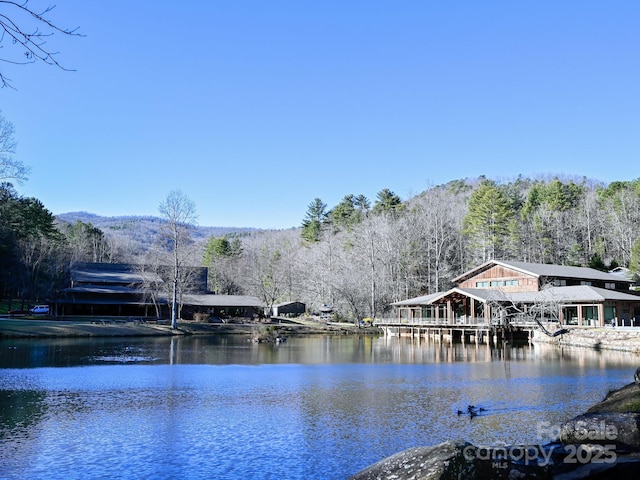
{"x": 126, "y": 290}
{"x": 521, "y": 295}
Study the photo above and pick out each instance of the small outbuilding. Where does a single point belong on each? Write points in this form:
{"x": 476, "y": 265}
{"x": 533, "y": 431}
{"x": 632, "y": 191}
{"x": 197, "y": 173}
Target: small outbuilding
{"x": 288, "y": 308}
{"x": 222, "y": 306}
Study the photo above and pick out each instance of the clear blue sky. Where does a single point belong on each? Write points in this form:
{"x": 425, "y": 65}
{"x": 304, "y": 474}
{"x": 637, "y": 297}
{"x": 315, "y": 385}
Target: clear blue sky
{"x": 254, "y": 108}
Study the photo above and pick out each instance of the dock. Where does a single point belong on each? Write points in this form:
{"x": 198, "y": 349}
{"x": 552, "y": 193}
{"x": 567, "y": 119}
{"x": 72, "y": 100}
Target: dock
{"x": 460, "y": 330}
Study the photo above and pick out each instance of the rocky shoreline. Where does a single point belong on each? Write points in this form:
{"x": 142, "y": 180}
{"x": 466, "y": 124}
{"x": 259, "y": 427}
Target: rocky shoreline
{"x": 609, "y": 338}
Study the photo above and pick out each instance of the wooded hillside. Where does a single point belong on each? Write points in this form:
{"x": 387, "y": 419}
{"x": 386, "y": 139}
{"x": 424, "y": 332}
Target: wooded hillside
{"x": 360, "y": 257}
{"x": 357, "y": 256}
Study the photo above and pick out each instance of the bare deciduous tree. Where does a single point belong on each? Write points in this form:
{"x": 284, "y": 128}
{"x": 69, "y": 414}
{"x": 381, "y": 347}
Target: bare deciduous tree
{"x": 351, "y": 290}
{"x": 265, "y": 267}
{"x": 10, "y": 168}
{"x": 434, "y": 226}
{"x": 180, "y": 214}
{"x": 150, "y": 280}
{"x": 544, "y": 310}
{"x": 624, "y": 223}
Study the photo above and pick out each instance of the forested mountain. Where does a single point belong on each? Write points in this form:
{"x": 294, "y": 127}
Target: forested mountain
{"x": 141, "y": 231}
{"x": 358, "y": 255}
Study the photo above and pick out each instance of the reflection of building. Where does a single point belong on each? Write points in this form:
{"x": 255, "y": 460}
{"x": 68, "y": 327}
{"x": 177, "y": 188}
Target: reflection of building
{"x": 117, "y": 289}
{"x": 575, "y": 295}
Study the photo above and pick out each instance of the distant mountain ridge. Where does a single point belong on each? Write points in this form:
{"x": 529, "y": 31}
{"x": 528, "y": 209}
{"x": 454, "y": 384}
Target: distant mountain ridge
{"x": 143, "y": 228}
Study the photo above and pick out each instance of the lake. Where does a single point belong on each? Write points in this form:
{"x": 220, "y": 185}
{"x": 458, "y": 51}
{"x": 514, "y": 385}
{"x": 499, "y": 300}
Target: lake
{"x": 321, "y": 407}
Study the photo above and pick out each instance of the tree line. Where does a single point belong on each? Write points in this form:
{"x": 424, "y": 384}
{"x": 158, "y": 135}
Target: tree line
{"x": 357, "y": 256}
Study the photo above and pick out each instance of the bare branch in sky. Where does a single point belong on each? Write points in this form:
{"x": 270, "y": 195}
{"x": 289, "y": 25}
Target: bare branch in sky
{"x": 27, "y": 31}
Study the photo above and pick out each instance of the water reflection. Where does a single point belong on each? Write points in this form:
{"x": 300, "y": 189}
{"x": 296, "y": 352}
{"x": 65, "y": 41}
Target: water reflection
{"x": 237, "y": 349}
{"x": 313, "y": 407}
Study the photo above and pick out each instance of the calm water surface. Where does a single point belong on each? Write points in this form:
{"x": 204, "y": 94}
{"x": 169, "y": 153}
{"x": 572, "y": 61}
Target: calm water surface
{"x": 311, "y": 408}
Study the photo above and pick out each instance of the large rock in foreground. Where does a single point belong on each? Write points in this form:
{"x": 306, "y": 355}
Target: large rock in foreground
{"x": 463, "y": 461}
{"x": 623, "y": 400}
{"x": 618, "y": 430}
{"x": 450, "y": 460}
{"x": 416, "y": 463}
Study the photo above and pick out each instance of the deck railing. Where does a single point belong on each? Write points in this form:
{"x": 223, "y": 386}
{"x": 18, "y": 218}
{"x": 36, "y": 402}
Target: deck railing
{"x": 460, "y": 322}
{"x": 409, "y": 322}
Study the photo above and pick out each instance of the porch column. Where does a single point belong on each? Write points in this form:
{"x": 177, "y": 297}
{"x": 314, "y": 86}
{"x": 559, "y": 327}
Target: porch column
{"x": 449, "y": 312}
{"x": 473, "y": 310}
{"x": 601, "y": 314}
{"x": 580, "y": 317}
{"x": 465, "y": 310}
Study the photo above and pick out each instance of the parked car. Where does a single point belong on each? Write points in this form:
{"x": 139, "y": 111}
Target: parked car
{"x": 39, "y": 309}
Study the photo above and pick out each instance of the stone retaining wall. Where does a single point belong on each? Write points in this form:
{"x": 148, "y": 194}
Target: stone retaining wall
{"x": 620, "y": 339}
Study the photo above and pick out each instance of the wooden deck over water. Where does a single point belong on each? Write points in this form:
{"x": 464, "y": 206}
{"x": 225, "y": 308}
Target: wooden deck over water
{"x": 462, "y": 329}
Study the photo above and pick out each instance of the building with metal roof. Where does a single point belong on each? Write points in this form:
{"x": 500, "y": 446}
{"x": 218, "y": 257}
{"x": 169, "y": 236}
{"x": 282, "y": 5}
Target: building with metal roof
{"x": 501, "y": 290}
{"x": 128, "y": 290}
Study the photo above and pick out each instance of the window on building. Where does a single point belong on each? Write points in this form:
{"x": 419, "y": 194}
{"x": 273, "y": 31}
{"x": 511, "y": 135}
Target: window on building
{"x": 609, "y": 313}
{"x": 590, "y": 312}
{"x": 610, "y": 285}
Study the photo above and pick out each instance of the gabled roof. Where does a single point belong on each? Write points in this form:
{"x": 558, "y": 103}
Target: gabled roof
{"x": 623, "y": 272}
{"x": 545, "y": 270}
{"x": 578, "y": 293}
{"x": 421, "y": 300}
{"x": 104, "y": 290}
{"x": 480, "y": 294}
{"x": 122, "y": 274}
{"x": 284, "y": 304}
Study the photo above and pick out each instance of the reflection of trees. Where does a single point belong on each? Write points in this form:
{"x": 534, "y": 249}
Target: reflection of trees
{"x": 20, "y": 412}
{"x": 20, "y": 409}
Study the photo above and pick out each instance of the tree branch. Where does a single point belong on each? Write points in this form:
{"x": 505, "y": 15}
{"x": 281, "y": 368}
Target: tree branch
{"x": 16, "y": 21}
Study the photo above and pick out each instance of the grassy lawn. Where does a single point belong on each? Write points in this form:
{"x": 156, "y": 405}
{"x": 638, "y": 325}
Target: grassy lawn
{"x": 24, "y": 328}
{"x": 4, "y": 306}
